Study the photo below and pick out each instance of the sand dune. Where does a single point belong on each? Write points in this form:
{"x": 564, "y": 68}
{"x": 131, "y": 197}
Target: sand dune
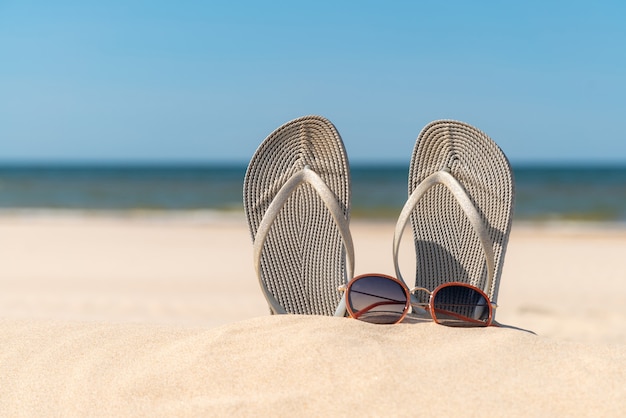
{"x": 144, "y": 316}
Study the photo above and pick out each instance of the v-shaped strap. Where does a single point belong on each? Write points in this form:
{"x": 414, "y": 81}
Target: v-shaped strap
{"x": 306, "y": 175}
{"x": 458, "y": 191}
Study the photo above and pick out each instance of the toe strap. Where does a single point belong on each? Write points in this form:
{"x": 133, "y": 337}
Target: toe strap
{"x": 306, "y": 175}
{"x": 458, "y": 191}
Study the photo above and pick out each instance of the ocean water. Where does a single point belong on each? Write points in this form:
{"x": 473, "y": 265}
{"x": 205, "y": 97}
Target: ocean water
{"x": 578, "y": 193}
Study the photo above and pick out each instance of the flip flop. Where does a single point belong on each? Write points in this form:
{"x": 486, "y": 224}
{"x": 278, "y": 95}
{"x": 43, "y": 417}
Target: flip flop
{"x": 460, "y": 204}
{"x": 297, "y": 203}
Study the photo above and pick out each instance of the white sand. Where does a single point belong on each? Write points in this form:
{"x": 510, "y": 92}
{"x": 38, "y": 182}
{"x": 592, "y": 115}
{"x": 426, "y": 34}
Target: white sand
{"x": 110, "y": 316}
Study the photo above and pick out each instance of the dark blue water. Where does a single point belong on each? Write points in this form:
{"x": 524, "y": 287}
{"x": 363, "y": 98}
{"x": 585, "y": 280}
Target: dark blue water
{"x": 542, "y": 192}
{"x": 122, "y": 187}
{"x": 571, "y": 193}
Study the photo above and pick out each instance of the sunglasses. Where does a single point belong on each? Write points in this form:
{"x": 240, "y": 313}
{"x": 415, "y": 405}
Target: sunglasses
{"x": 382, "y": 299}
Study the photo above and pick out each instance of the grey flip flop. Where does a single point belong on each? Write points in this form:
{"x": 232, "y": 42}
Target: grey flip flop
{"x": 297, "y": 203}
{"x": 460, "y": 204}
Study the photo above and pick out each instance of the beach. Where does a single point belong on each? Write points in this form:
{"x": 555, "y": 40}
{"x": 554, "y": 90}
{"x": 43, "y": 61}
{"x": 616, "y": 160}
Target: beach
{"x": 106, "y": 314}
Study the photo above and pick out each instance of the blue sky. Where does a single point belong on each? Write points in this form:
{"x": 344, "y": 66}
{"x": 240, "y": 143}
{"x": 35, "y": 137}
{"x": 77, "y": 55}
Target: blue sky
{"x": 184, "y": 81}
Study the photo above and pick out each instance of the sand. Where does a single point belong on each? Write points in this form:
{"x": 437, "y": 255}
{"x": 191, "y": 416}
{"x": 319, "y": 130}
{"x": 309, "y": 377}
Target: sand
{"x": 104, "y": 315}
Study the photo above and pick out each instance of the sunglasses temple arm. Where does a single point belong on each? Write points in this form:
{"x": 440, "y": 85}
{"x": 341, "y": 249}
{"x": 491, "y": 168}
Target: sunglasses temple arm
{"x": 459, "y": 316}
{"x": 417, "y": 304}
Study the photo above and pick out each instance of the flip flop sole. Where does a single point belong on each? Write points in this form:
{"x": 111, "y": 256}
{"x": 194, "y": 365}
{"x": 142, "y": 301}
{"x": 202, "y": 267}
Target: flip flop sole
{"x": 446, "y": 243}
{"x": 302, "y": 260}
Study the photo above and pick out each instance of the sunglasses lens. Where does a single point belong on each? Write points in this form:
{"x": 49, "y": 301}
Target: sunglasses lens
{"x": 377, "y": 299}
{"x": 460, "y": 306}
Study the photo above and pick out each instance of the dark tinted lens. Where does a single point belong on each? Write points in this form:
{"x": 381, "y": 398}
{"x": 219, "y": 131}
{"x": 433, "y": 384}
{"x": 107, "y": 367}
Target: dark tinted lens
{"x": 377, "y": 299}
{"x": 460, "y": 306}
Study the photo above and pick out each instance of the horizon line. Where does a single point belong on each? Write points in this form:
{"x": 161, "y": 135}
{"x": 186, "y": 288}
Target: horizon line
{"x": 164, "y": 163}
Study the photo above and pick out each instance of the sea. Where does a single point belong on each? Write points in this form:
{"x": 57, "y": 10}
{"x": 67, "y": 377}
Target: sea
{"x": 543, "y": 192}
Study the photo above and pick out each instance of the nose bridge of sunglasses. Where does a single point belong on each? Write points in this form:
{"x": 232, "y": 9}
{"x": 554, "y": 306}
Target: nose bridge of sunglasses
{"x": 423, "y": 289}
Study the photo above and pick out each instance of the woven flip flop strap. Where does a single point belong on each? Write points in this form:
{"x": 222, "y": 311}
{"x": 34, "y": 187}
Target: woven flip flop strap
{"x": 330, "y": 200}
{"x": 303, "y": 259}
{"x": 471, "y": 213}
{"x": 447, "y": 247}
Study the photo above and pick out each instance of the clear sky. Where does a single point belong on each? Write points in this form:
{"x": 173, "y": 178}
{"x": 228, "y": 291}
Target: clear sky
{"x": 195, "y": 81}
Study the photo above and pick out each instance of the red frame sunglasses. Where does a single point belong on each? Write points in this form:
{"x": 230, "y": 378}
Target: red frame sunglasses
{"x": 382, "y": 299}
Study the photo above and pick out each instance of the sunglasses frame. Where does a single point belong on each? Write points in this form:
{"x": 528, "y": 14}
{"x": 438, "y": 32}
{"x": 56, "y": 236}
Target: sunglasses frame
{"x": 412, "y": 302}
{"x": 430, "y": 307}
{"x": 346, "y": 289}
